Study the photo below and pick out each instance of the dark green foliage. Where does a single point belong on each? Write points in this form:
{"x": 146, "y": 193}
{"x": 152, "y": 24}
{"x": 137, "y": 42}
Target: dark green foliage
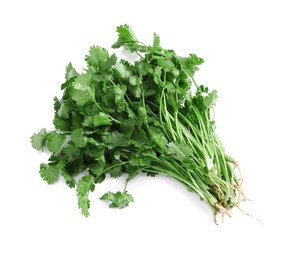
{"x": 118, "y": 118}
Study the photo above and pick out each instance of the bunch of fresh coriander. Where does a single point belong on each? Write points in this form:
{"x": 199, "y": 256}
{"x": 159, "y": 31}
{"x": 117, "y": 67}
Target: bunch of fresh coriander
{"x": 119, "y": 118}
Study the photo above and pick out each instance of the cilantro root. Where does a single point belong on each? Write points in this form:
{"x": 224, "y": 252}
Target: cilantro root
{"x": 119, "y": 118}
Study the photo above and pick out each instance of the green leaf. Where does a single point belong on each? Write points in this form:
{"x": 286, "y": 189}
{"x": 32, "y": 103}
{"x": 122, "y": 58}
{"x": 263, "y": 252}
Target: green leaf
{"x": 55, "y": 141}
{"x": 126, "y": 38}
{"x": 99, "y": 58}
{"x": 65, "y": 108}
{"x": 71, "y": 151}
{"x": 156, "y": 43}
{"x": 135, "y": 80}
{"x": 70, "y": 72}
{"x": 38, "y": 140}
{"x": 158, "y": 137}
{"x": 84, "y": 204}
{"x": 81, "y": 98}
{"x": 191, "y": 63}
{"x": 119, "y": 91}
{"x": 179, "y": 151}
{"x": 84, "y": 186}
{"x": 139, "y": 138}
{"x": 122, "y": 71}
{"x": 157, "y": 76}
{"x": 50, "y": 173}
{"x": 62, "y": 124}
{"x": 166, "y": 64}
{"x": 115, "y": 171}
{"x": 101, "y": 119}
{"x": 109, "y": 62}
{"x": 114, "y": 139}
{"x": 70, "y": 181}
{"x": 117, "y": 200}
{"x": 57, "y": 104}
{"x": 83, "y": 82}
{"x": 82, "y": 93}
{"x": 127, "y": 127}
{"x": 210, "y": 99}
{"x": 78, "y": 138}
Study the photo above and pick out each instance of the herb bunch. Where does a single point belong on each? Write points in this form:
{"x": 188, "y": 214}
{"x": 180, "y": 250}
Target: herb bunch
{"x": 119, "y": 118}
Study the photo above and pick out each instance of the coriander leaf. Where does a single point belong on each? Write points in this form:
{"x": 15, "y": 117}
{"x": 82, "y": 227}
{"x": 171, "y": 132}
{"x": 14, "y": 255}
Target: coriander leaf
{"x": 82, "y": 93}
{"x": 81, "y": 98}
{"x": 156, "y": 43}
{"x": 166, "y": 64}
{"x": 139, "y": 138}
{"x": 135, "y": 80}
{"x": 57, "y": 104}
{"x": 157, "y": 76}
{"x": 115, "y": 171}
{"x": 126, "y": 39}
{"x": 118, "y": 200}
{"x": 210, "y": 99}
{"x": 101, "y": 119}
{"x": 127, "y": 127}
{"x": 38, "y": 140}
{"x": 179, "y": 151}
{"x": 109, "y": 62}
{"x": 122, "y": 70}
{"x": 132, "y": 172}
{"x": 70, "y": 181}
{"x": 62, "y": 124}
{"x": 143, "y": 68}
{"x": 191, "y": 63}
{"x": 84, "y": 186}
{"x": 97, "y": 168}
{"x": 83, "y": 82}
{"x": 65, "y": 108}
{"x": 139, "y": 160}
{"x": 55, "y": 141}
{"x": 120, "y": 91}
{"x": 114, "y": 139}
{"x": 158, "y": 137}
{"x": 50, "y": 173}
{"x": 71, "y": 151}
{"x": 78, "y": 138}
{"x": 97, "y": 57}
{"x": 70, "y": 72}
{"x": 84, "y": 204}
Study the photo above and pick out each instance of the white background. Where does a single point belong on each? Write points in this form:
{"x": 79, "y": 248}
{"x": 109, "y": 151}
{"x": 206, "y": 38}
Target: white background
{"x": 250, "y": 53}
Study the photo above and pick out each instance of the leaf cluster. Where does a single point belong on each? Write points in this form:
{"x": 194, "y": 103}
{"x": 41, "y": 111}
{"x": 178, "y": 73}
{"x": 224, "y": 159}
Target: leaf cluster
{"x": 120, "y": 118}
